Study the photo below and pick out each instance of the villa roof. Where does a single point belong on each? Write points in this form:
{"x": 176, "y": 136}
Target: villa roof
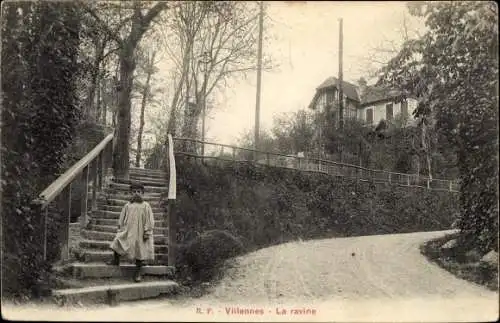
{"x": 349, "y": 89}
{"x": 371, "y": 94}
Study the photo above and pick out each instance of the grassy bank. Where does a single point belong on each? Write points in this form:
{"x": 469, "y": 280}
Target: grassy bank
{"x": 453, "y": 261}
{"x": 263, "y": 206}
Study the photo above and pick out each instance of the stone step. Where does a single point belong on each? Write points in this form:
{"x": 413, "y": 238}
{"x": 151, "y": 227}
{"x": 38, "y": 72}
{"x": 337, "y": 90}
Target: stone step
{"x": 125, "y": 190}
{"x": 113, "y": 294}
{"x": 145, "y": 182}
{"x": 114, "y": 222}
{"x": 139, "y": 177}
{"x": 118, "y": 208}
{"x": 113, "y": 228}
{"x": 147, "y": 189}
{"x": 122, "y": 202}
{"x": 160, "y": 246}
{"x": 87, "y": 256}
{"x": 101, "y": 270}
{"x": 116, "y": 215}
{"x": 147, "y": 172}
{"x": 124, "y": 196}
{"x": 107, "y": 237}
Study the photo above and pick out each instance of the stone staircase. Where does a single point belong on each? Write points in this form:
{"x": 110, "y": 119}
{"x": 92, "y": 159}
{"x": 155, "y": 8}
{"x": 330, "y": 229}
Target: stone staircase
{"x": 89, "y": 278}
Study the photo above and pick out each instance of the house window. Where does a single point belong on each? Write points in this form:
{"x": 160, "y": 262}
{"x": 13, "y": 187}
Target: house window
{"x": 388, "y": 111}
{"x": 330, "y": 97}
{"x": 404, "y": 109}
{"x": 369, "y": 116}
{"x": 322, "y": 101}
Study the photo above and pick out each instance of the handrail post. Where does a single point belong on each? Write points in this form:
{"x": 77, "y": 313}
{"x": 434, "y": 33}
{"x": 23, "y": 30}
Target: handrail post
{"x": 85, "y": 198}
{"x": 172, "y": 221}
{"x": 37, "y": 208}
{"x": 45, "y": 222}
{"x": 390, "y": 178}
{"x": 100, "y": 165}
{"x": 267, "y": 158}
{"x": 408, "y": 179}
{"x": 428, "y": 183}
{"x": 450, "y": 186}
{"x": 94, "y": 186}
{"x": 65, "y": 206}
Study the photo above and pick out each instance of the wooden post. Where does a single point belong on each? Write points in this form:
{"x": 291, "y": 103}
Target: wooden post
{"x": 259, "y": 80}
{"x": 450, "y": 186}
{"x": 94, "y": 186}
{"x": 65, "y": 207}
{"x": 172, "y": 219}
{"x": 408, "y": 179}
{"x": 45, "y": 219}
{"x": 390, "y": 178}
{"x": 428, "y": 183}
{"x": 172, "y": 233}
{"x": 85, "y": 198}
{"x": 100, "y": 166}
{"x": 341, "y": 79}
{"x": 267, "y": 158}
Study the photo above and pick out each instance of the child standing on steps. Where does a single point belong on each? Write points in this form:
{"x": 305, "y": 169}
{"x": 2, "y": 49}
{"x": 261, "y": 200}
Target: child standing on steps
{"x": 135, "y": 232}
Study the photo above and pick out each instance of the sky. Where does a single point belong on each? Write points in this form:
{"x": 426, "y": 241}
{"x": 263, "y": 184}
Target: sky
{"x": 305, "y": 45}
{"x": 304, "y": 39}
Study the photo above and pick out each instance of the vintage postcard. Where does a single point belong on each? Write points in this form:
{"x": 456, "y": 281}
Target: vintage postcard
{"x": 249, "y": 161}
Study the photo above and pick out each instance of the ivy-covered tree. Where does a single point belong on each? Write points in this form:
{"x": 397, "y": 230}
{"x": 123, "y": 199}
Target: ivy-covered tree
{"x": 453, "y": 70}
{"x": 40, "y": 42}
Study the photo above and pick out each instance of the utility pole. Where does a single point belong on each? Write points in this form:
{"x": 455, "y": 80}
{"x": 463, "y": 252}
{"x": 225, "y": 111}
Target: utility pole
{"x": 341, "y": 77}
{"x": 205, "y": 62}
{"x": 259, "y": 80}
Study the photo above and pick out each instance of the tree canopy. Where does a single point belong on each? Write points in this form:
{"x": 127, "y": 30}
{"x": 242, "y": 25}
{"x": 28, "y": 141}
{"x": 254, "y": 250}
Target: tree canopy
{"x": 453, "y": 70}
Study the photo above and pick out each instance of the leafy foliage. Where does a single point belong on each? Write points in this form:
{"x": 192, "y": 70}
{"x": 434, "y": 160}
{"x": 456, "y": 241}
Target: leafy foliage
{"x": 263, "y": 206}
{"x": 453, "y": 69}
{"x": 39, "y": 72}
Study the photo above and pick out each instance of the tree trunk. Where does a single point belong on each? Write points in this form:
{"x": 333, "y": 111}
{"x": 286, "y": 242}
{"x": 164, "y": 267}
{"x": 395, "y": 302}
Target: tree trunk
{"x": 426, "y": 149}
{"x": 122, "y": 152}
{"x": 98, "y": 96}
{"x": 140, "y": 24}
{"x": 89, "y": 109}
{"x": 141, "y": 124}
{"x": 105, "y": 101}
{"x": 171, "y": 127}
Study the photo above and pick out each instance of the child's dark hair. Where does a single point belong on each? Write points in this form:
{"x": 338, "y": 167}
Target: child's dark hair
{"x": 136, "y": 186}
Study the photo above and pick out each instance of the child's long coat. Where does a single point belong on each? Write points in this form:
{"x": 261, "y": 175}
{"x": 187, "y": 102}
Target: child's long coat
{"x": 136, "y": 221}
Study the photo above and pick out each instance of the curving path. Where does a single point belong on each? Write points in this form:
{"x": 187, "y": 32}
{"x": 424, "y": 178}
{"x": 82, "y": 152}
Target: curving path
{"x": 371, "y": 278}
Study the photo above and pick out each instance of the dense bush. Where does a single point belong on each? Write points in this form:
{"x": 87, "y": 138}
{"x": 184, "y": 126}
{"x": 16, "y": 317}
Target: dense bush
{"x": 203, "y": 255}
{"x": 262, "y": 206}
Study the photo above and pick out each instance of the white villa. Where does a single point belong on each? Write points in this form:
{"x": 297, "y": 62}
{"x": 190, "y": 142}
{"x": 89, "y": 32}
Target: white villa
{"x": 368, "y": 104}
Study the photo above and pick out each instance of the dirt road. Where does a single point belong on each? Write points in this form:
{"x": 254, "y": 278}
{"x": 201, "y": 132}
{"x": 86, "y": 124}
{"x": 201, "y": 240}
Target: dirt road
{"x": 373, "y": 278}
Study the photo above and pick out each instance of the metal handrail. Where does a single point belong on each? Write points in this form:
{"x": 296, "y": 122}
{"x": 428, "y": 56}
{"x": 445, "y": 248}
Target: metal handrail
{"x": 390, "y": 177}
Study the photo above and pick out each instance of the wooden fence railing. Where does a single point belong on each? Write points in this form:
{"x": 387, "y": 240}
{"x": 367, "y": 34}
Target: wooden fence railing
{"x": 192, "y": 147}
{"x": 91, "y": 171}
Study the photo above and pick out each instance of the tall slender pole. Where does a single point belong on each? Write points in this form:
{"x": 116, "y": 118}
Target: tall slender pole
{"x": 259, "y": 79}
{"x": 341, "y": 78}
{"x": 204, "y": 101}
